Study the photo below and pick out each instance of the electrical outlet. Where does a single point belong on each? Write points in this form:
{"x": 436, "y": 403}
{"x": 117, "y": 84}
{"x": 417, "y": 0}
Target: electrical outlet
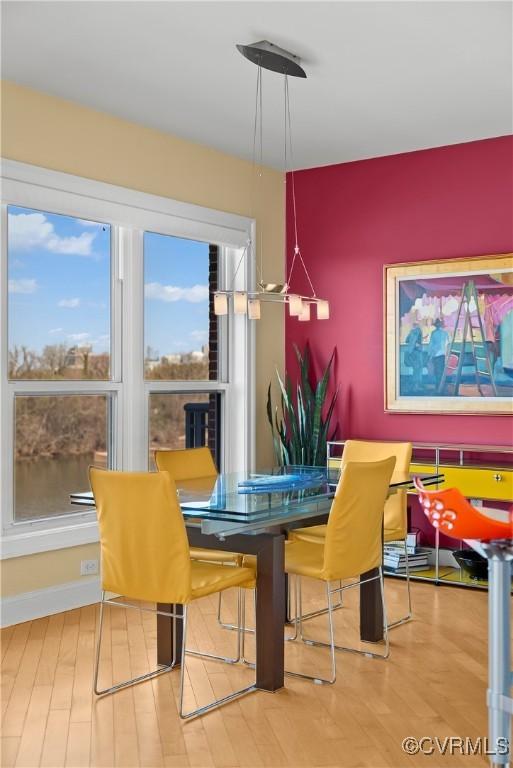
{"x": 88, "y": 567}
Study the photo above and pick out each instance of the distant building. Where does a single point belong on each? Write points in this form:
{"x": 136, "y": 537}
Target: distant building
{"x": 77, "y": 357}
{"x": 172, "y": 358}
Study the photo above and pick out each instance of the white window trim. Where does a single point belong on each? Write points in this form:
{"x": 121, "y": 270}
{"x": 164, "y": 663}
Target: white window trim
{"x": 131, "y": 212}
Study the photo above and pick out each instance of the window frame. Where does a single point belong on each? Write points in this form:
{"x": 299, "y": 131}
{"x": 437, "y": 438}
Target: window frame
{"x": 129, "y": 213}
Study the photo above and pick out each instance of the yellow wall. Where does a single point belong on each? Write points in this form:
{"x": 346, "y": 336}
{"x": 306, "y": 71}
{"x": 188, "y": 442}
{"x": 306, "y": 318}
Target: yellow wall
{"x": 64, "y": 136}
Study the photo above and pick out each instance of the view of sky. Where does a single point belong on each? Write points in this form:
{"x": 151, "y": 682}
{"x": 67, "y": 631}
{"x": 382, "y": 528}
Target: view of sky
{"x": 176, "y": 294}
{"x": 59, "y": 285}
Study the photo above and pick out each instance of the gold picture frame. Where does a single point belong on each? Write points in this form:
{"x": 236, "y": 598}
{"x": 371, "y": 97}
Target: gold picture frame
{"x": 467, "y": 365}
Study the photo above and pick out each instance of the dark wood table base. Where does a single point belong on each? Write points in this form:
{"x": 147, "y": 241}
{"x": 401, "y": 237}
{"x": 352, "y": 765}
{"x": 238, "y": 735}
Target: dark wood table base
{"x": 270, "y": 609}
{"x": 271, "y": 606}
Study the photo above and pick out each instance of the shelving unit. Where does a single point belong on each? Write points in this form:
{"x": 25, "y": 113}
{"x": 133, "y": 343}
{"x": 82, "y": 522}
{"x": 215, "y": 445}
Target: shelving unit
{"x": 483, "y": 473}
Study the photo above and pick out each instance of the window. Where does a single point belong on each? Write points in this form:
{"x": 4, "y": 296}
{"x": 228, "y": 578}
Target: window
{"x": 180, "y": 328}
{"x": 59, "y": 296}
{"x": 184, "y": 421}
{"x": 109, "y": 344}
{"x": 57, "y": 438}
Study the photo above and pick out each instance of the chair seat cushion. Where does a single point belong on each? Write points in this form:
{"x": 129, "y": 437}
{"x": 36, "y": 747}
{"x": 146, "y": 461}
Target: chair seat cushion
{"x": 216, "y": 556}
{"x": 209, "y": 578}
{"x": 314, "y": 533}
{"x": 304, "y": 558}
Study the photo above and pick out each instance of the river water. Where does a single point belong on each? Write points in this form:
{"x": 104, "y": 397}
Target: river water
{"x": 43, "y": 485}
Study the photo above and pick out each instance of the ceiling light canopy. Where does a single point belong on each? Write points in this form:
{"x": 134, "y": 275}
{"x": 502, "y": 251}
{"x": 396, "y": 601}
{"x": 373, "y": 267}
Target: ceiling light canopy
{"x": 266, "y": 55}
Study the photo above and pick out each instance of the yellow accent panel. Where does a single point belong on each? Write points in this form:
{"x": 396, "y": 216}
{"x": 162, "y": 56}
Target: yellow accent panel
{"x": 478, "y": 483}
{"x": 395, "y": 515}
{"x": 187, "y": 464}
{"x": 423, "y": 468}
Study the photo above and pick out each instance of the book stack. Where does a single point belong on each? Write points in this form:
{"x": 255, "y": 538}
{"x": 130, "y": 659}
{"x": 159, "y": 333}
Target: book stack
{"x": 394, "y": 558}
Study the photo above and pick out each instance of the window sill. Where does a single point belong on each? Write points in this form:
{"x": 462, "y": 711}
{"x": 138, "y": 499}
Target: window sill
{"x": 46, "y": 540}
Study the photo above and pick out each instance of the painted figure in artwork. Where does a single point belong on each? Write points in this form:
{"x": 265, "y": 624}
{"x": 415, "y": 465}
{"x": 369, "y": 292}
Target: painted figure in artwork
{"x": 456, "y": 335}
{"x": 437, "y": 349}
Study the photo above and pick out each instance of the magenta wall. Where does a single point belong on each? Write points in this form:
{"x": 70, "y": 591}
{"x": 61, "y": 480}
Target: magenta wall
{"x": 354, "y": 218}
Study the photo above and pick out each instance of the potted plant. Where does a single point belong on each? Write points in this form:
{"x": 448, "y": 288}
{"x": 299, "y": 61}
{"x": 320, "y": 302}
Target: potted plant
{"x": 300, "y": 431}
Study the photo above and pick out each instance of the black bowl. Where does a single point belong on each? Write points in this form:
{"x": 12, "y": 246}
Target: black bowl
{"x": 474, "y": 564}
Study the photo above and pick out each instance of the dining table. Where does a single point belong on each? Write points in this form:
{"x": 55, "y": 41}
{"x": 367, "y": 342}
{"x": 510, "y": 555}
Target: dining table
{"x": 251, "y": 513}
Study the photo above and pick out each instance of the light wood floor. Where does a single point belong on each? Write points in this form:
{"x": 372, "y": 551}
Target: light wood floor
{"x": 433, "y": 685}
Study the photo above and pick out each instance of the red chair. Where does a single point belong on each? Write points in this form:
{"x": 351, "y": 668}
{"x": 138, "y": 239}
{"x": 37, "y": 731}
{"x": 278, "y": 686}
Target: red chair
{"x": 450, "y": 512}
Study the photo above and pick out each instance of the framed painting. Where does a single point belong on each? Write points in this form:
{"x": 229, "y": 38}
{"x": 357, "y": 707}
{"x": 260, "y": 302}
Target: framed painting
{"x": 449, "y": 336}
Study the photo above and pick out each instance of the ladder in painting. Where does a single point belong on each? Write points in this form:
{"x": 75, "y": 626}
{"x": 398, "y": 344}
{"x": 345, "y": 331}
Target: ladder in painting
{"x": 479, "y": 347}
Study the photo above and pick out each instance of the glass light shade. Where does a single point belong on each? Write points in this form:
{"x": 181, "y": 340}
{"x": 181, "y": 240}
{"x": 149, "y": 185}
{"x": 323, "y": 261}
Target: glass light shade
{"x": 295, "y": 305}
{"x": 220, "y": 304}
{"x": 240, "y": 302}
{"x": 323, "y": 310}
{"x": 305, "y": 313}
{"x": 254, "y": 309}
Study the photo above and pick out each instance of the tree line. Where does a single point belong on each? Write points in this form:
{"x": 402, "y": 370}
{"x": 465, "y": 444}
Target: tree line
{"x": 57, "y": 425}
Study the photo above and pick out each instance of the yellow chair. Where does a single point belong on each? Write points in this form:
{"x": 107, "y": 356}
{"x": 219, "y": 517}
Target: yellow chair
{"x": 352, "y": 546}
{"x": 395, "y": 512}
{"x": 145, "y": 556}
{"x": 186, "y": 466}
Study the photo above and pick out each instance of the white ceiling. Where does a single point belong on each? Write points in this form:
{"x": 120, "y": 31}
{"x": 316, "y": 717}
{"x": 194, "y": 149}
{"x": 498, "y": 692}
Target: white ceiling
{"x": 383, "y": 77}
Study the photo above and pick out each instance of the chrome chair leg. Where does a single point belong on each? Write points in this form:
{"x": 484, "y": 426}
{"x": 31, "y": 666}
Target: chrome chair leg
{"x": 322, "y": 611}
{"x": 409, "y": 615}
{"x": 224, "y": 624}
{"x": 295, "y": 618}
{"x": 176, "y": 617}
{"x": 331, "y": 645}
{"x": 226, "y": 659}
{"x": 132, "y": 681}
{"x": 218, "y": 702}
{"x": 349, "y": 649}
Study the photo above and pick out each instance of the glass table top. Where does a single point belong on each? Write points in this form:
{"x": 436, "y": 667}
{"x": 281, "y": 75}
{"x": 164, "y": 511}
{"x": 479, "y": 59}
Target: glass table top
{"x": 243, "y": 502}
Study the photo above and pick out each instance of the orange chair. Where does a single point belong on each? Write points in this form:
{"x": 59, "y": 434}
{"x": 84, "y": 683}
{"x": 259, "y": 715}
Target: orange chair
{"x": 451, "y": 513}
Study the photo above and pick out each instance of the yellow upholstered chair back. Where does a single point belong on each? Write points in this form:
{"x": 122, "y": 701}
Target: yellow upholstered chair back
{"x": 144, "y": 545}
{"x": 186, "y": 464}
{"x": 353, "y": 543}
{"x": 395, "y": 506}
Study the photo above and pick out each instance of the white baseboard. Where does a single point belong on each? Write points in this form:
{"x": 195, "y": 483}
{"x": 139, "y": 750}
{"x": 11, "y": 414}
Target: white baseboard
{"x": 45, "y": 602}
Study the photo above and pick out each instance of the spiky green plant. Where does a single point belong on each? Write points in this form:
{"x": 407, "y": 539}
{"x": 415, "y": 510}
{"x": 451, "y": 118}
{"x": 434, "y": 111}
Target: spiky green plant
{"x": 300, "y": 432}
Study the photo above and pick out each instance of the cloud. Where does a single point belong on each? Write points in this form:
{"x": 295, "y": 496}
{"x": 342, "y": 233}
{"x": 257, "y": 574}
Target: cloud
{"x": 195, "y": 294}
{"x": 33, "y": 230}
{"x": 22, "y": 286}
{"x": 199, "y": 335}
{"x": 69, "y": 303}
{"x": 78, "y": 336}
{"x": 53, "y": 331}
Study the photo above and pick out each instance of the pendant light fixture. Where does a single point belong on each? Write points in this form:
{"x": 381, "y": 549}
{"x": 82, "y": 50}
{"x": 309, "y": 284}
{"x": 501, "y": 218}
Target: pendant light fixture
{"x": 268, "y": 56}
